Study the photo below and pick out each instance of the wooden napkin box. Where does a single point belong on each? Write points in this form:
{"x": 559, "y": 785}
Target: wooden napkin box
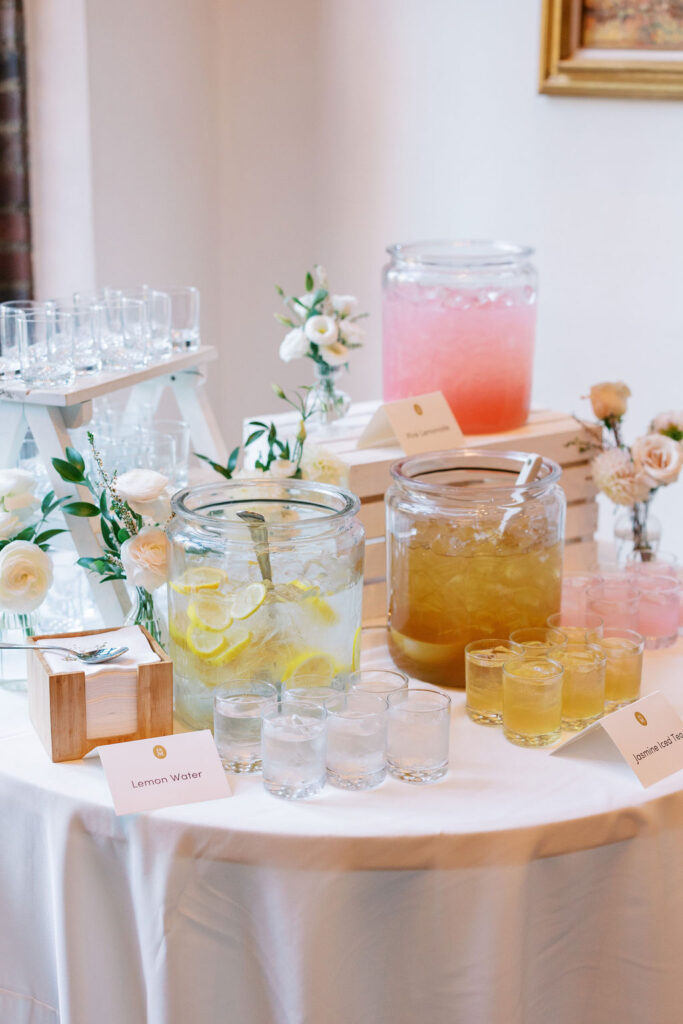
{"x": 58, "y": 708}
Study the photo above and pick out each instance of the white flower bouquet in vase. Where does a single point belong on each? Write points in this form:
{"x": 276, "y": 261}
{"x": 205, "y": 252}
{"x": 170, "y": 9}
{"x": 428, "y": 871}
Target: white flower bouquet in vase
{"x": 631, "y": 475}
{"x": 324, "y": 328}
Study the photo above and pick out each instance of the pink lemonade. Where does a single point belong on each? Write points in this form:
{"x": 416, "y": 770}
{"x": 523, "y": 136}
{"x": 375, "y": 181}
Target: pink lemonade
{"x": 476, "y": 347}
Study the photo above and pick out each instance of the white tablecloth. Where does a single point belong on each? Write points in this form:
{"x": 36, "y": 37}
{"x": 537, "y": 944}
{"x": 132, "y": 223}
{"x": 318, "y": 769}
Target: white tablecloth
{"x": 521, "y": 889}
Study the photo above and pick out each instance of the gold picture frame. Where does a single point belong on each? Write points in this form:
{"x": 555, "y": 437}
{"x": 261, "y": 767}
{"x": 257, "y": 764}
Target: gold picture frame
{"x": 653, "y": 70}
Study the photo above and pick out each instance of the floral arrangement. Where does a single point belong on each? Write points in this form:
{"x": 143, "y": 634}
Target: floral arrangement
{"x": 631, "y": 475}
{"x": 25, "y": 566}
{"x": 132, "y": 509}
{"x": 323, "y": 327}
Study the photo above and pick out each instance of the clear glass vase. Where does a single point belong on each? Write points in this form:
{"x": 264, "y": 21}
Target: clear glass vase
{"x": 145, "y": 612}
{"x": 327, "y": 402}
{"x": 14, "y": 629}
{"x": 636, "y": 529}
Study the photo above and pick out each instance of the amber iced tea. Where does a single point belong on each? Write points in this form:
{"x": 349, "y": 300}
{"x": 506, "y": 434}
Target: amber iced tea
{"x": 532, "y": 701}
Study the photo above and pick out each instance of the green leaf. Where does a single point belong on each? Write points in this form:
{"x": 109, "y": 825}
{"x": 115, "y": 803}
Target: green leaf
{"x": 67, "y": 471}
{"x": 319, "y": 297}
{"x": 84, "y": 509}
{"x": 226, "y": 472}
{"x": 309, "y": 282}
{"x": 45, "y": 505}
{"x": 272, "y": 433}
{"x": 46, "y": 535}
{"x": 87, "y": 563}
{"x": 105, "y": 579}
{"x": 254, "y": 436}
{"x": 104, "y": 508}
{"x": 280, "y": 291}
{"x": 108, "y": 536}
{"x": 284, "y": 320}
{"x": 232, "y": 460}
{"x": 122, "y": 535}
{"x": 257, "y": 423}
{"x": 26, "y": 534}
{"x": 75, "y": 458}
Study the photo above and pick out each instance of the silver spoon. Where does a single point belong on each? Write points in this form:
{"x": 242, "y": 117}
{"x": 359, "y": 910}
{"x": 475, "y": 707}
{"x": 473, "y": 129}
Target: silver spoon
{"x": 96, "y": 656}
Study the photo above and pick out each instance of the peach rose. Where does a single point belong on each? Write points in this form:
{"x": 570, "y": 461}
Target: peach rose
{"x": 615, "y": 475}
{"x": 659, "y": 457}
{"x": 145, "y": 558}
{"x": 609, "y": 399}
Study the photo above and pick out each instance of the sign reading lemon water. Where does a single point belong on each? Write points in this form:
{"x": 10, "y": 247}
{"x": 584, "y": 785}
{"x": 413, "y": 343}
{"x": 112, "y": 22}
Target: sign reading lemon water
{"x": 648, "y": 734}
{"x": 424, "y": 423}
{"x": 144, "y": 775}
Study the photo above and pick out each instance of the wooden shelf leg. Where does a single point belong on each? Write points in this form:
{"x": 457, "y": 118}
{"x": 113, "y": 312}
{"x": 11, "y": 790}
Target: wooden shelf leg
{"x": 205, "y": 434}
{"x": 12, "y": 432}
{"x": 51, "y": 434}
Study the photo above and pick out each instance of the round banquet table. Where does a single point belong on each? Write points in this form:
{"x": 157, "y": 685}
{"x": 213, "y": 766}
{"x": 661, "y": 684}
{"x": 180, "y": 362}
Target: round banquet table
{"x": 519, "y": 889}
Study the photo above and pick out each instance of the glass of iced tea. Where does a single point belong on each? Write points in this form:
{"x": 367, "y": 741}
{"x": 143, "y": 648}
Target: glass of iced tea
{"x": 539, "y": 641}
{"x": 623, "y": 650}
{"x": 484, "y": 660}
{"x": 472, "y": 554}
{"x": 583, "y": 687}
{"x": 532, "y": 701}
{"x": 578, "y": 627}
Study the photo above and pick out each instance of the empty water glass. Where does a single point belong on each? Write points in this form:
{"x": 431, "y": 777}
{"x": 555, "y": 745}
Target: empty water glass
{"x": 237, "y": 713}
{"x": 136, "y": 333}
{"x": 87, "y": 353}
{"x": 293, "y": 741}
{"x": 179, "y": 430}
{"x": 10, "y": 366}
{"x": 322, "y": 695}
{"x": 159, "y": 315}
{"x": 184, "y": 318}
{"x": 381, "y": 681}
{"x": 46, "y": 348}
{"x": 356, "y": 740}
{"x": 418, "y": 728}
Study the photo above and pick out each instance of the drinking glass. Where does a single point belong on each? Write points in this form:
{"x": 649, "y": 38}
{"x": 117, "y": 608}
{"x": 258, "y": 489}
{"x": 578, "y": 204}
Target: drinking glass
{"x": 381, "y": 681}
{"x": 356, "y": 740}
{"x": 583, "y": 684}
{"x": 658, "y": 563}
{"x": 532, "y": 701}
{"x": 10, "y": 326}
{"x": 578, "y": 627}
{"x": 136, "y": 332}
{"x": 323, "y": 695}
{"x": 46, "y": 348}
{"x": 159, "y": 316}
{"x": 107, "y": 323}
{"x": 179, "y": 430}
{"x": 616, "y": 600}
{"x": 184, "y": 318}
{"x": 87, "y": 341}
{"x": 623, "y": 650}
{"x": 658, "y": 611}
{"x": 538, "y": 641}
{"x": 574, "y": 587}
{"x": 293, "y": 741}
{"x": 484, "y": 660}
{"x": 237, "y": 712}
{"x": 417, "y": 734}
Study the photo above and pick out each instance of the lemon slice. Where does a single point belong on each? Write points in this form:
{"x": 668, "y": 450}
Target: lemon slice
{"x": 310, "y": 668}
{"x": 239, "y": 638}
{"x": 203, "y": 643}
{"x": 211, "y": 611}
{"x": 199, "y": 578}
{"x": 322, "y": 609}
{"x": 248, "y": 600}
{"x": 302, "y": 585}
{"x": 355, "y": 654}
{"x": 177, "y": 631}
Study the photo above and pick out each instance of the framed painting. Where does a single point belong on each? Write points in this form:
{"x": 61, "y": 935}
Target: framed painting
{"x": 631, "y": 48}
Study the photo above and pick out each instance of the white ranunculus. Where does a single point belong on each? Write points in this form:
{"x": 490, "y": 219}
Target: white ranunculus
{"x": 351, "y": 332}
{"x": 25, "y": 576}
{"x": 321, "y": 464}
{"x": 322, "y": 330}
{"x": 294, "y": 345}
{"x": 145, "y": 558}
{"x": 146, "y": 491}
{"x": 280, "y": 469}
{"x": 659, "y": 457}
{"x": 344, "y": 305}
{"x": 9, "y": 525}
{"x": 16, "y": 492}
{"x": 335, "y": 355}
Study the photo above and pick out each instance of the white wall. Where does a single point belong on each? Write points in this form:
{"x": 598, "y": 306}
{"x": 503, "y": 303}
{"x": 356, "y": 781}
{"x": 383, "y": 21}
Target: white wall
{"x": 235, "y": 142}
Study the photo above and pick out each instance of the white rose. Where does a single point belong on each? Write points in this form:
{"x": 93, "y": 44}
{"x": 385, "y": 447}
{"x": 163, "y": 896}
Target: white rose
{"x": 16, "y": 491}
{"x": 659, "y": 457}
{"x": 322, "y": 330}
{"x": 344, "y": 305}
{"x": 321, "y": 464}
{"x": 280, "y": 469}
{"x": 145, "y": 558}
{"x": 25, "y": 576}
{"x": 146, "y": 491}
{"x": 668, "y": 421}
{"x": 294, "y": 345}
{"x": 351, "y": 332}
{"x": 9, "y": 525}
{"x": 335, "y": 355}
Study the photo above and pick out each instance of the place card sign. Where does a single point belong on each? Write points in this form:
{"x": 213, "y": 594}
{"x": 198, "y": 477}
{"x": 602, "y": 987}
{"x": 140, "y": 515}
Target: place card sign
{"x": 144, "y": 775}
{"x": 648, "y": 734}
{"x": 424, "y": 423}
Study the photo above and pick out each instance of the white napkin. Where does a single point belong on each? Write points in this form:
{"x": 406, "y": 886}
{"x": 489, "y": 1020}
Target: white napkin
{"x": 111, "y": 689}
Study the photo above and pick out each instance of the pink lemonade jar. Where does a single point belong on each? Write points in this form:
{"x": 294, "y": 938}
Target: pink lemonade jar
{"x": 460, "y": 317}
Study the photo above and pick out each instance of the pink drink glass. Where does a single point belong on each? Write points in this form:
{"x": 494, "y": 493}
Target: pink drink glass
{"x": 460, "y": 317}
{"x": 616, "y": 601}
{"x": 659, "y": 610}
{"x": 574, "y": 587}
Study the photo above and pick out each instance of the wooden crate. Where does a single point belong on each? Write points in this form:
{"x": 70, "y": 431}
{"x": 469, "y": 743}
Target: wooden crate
{"x": 57, "y": 701}
{"x": 546, "y": 432}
